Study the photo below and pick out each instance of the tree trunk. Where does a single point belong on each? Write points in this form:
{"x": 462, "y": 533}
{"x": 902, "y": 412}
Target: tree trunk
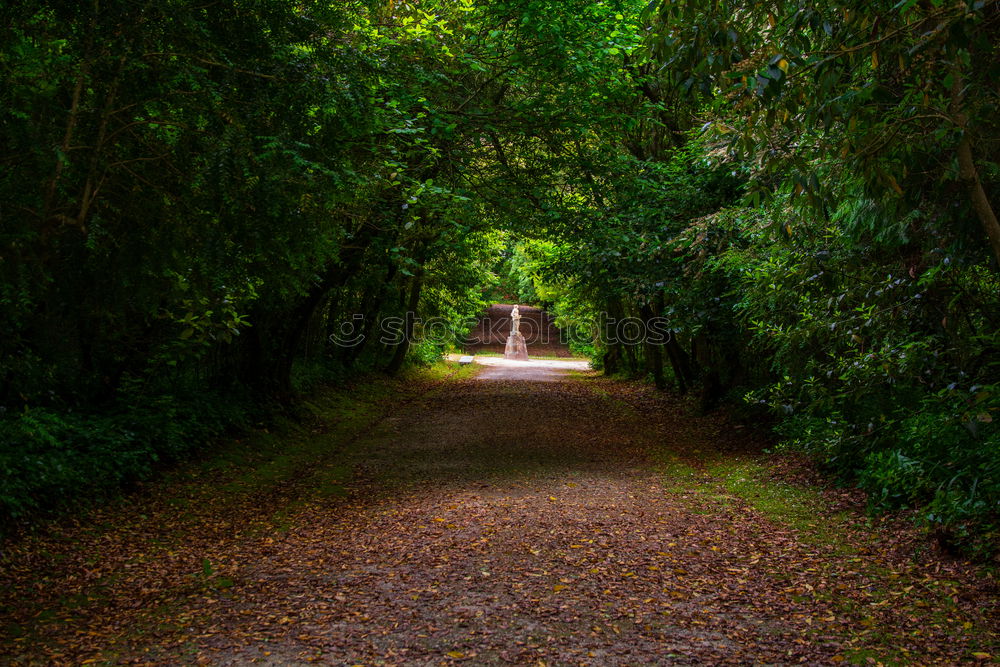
{"x": 273, "y": 342}
{"x": 399, "y": 354}
{"x": 74, "y": 115}
{"x": 654, "y": 353}
{"x": 371, "y": 308}
{"x": 970, "y": 175}
{"x": 980, "y": 202}
{"x": 681, "y": 364}
{"x": 92, "y": 185}
{"x": 711, "y": 380}
{"x": 614, "y": 355}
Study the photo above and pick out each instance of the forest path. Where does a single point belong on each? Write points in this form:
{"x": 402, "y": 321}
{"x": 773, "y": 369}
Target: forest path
{"x": 573, "y": 521}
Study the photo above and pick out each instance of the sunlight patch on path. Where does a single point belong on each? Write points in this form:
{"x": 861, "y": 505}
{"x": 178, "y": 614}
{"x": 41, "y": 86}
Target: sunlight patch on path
{"x": 533, "y": 370}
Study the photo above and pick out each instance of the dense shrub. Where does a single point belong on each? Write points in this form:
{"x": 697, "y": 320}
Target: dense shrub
{"x": 53, "y": 459}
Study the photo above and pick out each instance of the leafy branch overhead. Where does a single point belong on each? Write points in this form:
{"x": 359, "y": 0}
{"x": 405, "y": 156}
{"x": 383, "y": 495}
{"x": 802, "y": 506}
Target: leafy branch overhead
{"x": 196, "y": 200}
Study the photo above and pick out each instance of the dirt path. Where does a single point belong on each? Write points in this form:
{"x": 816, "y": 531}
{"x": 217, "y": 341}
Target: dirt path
{"x": 490, "y": 520}
{"x": 533, "y": 370}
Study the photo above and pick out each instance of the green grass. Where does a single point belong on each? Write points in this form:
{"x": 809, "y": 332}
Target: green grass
{"x": 447, "y": 370}
{"x": 804, "y": 509}
{"x": 798, "y": 507}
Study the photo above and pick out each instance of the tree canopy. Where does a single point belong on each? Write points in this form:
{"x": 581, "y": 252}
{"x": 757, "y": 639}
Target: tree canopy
{"x": 200, "y": 203}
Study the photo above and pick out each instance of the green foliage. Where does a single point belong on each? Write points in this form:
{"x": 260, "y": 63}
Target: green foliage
{"x": 426, "y": 353}
{"x": 510, "y": 277}
{"x": 197, "y": 200}
{"x": 569, "y": 301}
{"x": 882, "y": 369}
{"x": 58, "y": 459}
{"x": 198, "y": 197}
{"x": 884, "y": 92}
{"x": 854, "y": 292}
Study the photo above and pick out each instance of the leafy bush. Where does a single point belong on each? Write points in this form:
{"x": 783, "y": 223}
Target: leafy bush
{"x": 426, "y": 353}
{"x": 883, "y": 374}
{"x": 55, "y": 459}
